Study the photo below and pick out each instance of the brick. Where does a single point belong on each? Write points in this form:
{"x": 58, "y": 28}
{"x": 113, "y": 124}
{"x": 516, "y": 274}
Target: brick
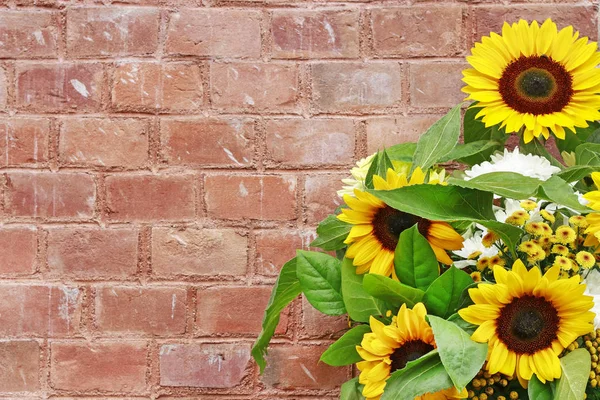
{"x": 104, "y": 142}
{"x": 59, "y": 87}
{"x": 233, "y": 310}
{"x": 255, "y": 87}
{"x": 214, "y": 33}
{"x": 92, "y": 253}
{"x": 147, "y": 310}
{"x": 208, "y": 141}
{"x": 190, "y": 251}
{"x": 221, "y": 365}
{"x": 3, "y": 89}
{"x": 263, "y": 197}
{"x": 28, "y": 34}
{"x": 276, "y": 247}
{"x": 110, "y": 32}
{"x": 315, "y": 34}
{"x": 310, "y": 142}
{"x": 436, "y": 84}
{"x": 20, "y": 366}
{"x": 298, "y": 367}
{"x": 148, "y": 86}
{"x": 318, "y": 325}
{"x": 45, "y": 311}
{"x": 26, "y": 141}
{"x": 18, "y": 249}
{"x": 150, "y": 197}
{"x": 418, "y": 31}
{"x": 105, "y": 366}
{"x": 50, "y": 195}
{"x": 356, "y": 87}
{"x": 320, "y": 196}
{"x": 388, "y": 131}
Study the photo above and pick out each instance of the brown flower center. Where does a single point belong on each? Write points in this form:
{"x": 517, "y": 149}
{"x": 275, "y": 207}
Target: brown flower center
{"x": 409, "y": 351}
{"x": 389, "y": 223}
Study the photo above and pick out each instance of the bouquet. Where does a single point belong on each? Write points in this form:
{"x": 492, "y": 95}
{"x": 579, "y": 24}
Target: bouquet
{"x": 483, "y": 283}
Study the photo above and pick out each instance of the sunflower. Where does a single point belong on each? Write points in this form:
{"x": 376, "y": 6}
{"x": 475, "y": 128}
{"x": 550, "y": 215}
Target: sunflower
{"x": 390, "y": 347}
{"x": 528, "y": 320}
{"x": 535, "y": 78}
{"x": 593, "y": 197}
{"x": 377, "y": 226}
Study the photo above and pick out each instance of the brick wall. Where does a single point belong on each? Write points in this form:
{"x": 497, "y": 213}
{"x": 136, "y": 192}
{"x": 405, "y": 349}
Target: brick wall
{"x": 161, "y": 159}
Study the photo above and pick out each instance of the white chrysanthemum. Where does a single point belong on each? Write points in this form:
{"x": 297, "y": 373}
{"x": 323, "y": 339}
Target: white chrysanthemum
{"x": 592, "y": 281}
{"x": 359, "y": 174}
{"x": 473, "y": 245}
{"x": 524, "y": 164}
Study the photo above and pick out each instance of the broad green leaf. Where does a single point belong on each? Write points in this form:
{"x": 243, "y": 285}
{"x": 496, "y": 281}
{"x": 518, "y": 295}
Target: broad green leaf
{"x": 351, "y": 390}
{"x": 509, "y": 234}
{"x": 343, "y": 351}
{"x": 474, "y": 130}
{"x": 414, "y": 260}
{"x": 588, "y": 154}
{"x": 443, "y": 297}
{"x": 331, "y": 234}
{"x": 402, "y": 152}
{"x": 536, "y": 148}
{"x": 438, "y": 141}
{"x": 286, "y": 289}
{"x": 558, "y": 191}
{"x": 379, "y": 166}
{"x": 462, "y": 324}
{"x": 539, "y": 391}
{"x": 575, "y": 374}
{"x": 359, "y": 304}
{"x": 465, "y": 152}
{"x": 505, "y": 184}
{"x": 462, "y": 357}
{"x": 577, "y": 172}
{"x": 321, "y": 280}
{"x": 391, "y": 291}
{"x": 572, "y": 140}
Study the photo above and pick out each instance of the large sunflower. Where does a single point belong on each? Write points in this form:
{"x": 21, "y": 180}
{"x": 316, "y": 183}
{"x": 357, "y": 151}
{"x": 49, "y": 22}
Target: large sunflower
{"x": 535, "y": 78}
{"x": 390, "y": 347}
{"x": 528, "y": 319}
{"x": 377, "y": 226}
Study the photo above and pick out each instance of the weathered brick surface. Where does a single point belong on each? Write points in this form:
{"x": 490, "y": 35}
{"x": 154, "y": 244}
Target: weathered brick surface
{"x": 20, "y": 370}
{"x": 25, "y": 141}
{"x": 274, "y": 247}
{"x": 388, "y": 131}
{"x": 18, "y": 250}
{"x": 26, "y": 34}
{"x": 436, "y": 84}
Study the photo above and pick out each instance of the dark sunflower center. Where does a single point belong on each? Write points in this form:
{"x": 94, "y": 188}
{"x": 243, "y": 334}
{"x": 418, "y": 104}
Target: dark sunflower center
{"x": 528, "y": 324}
{"x": 536, "y": 85}
{"x": 409, "y": 351}
{"x": 389, "y": 223}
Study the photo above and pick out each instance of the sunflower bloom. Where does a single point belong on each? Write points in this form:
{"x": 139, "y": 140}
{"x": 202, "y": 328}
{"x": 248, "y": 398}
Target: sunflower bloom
{"x": 377, "y": 227}
{"x": 389, "y": 348}
{"x": 528, "y": 319}
{"x": 535, "y": 78}
{"x": 593, "y": 197}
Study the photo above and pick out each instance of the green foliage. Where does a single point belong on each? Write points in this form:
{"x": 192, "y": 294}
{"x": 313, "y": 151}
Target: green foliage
{"x": 475, "y": 131}
{"x": 379, "y": 166}
{"x": 402, "y": 152}
{"x": 582, "y": 135}
{"x": 577, "y": 172}
{"x": 588, "y": 154}
{"x": 469, "y": 152}
{"x": 351, "y": 390}
{"x": 343, "y": 351}
{"x": 321, "y": 280}
{"x": 506, "y": 184}
{"x": 414, "y": 260}
{"x": 575, "y": 374}
{"x": 359, "y": 304}
{"x": 391, "y": 291}
{"x": 539, "y": 391}
{"x": 331, "y": 234}
{"x": 538, "y": 149}
{"x": 558, "y": 191}
{"x": 444, "y": 295}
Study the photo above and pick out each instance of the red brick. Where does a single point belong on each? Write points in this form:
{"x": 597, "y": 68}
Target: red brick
{"x": 309, "y": 372}
{"x": 148, "y": 310}
{"x": 255, "y": 87}
{"x": 150, "y": 197}
{"x": 28, "y": 34}
{"x": 20, "y": 366}
{"x": 233, "y": 310}
{"x": 261, "y": 197}
{"x": 59, "y": 87}
{"x": 220, "y": 365}
{"x": 3, "y": 89}
{"x": 418, "y": 31}
{"x": 208, "y": 141}
{"x": 50, "y": 195}
{"x": 18, "y": 249}
{"x": 320, "y": 196}
{"x": 46, "y": 311}
{"x": 110, "y": 32}
{"x": 318, "y": 325}
{"x": 311, "y": 142}
{"x": 356, "y": 87}
{"x": 104, "y": 142}
{"x": 214, "y": 33}
{"x": 315, "y": 34}
{"x": 92, "y": 253}
{"x": 436, "y": 84}
{"x": 148, "y": 86}
{"x": 190, "y": 251}
{"x": 104, "y": 366}
{"x": 276, "y": 247}
{"x": 25, "y": 141}
{"x": 388, "y": 131}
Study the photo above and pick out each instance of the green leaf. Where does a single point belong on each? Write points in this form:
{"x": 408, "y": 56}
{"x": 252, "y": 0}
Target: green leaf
{"x": 588, "y": 154}
{"x": 438, "y": 141}
{"x": 577, "y": 172}
{"x": 465, "y": 152}
{"x": 462, "y": 324}
{"x": 509, "y": 234}
{"x": 558, "y": 191}
{"x": 505, "y": 184}
{"x": 539, "y": 391}
{"x": 536, "y": 148}
{"x": 414, "y": 260}
{"x": 402, "y": 152}
{"x": 359, "y": 304}
{"x": 575, "y": 374}
{"x": 321, "y": 280}
{"x": 286, "y": 289}
{"x": 331, "y": 234}
{"x": 391, "y": 291}
{"x": 461, "y": 356}
{"x": 379, "y": 166}
{"x": 343, "y": 351}
{"x": 443, "y": 297}
{"x": 572, "y": 140}
{"x": 351, "y": 390}
{"x": 474, "y": 130}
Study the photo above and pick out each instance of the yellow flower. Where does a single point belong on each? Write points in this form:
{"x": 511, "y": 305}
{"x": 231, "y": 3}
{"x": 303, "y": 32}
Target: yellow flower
{"x": 489, "y": 239}
{"x": 592, "y": 230}
{"x": 528, "y": 319}
{"x": 388, "y": 348}
{"x": 497, "y": 260}
{"x": 563, "y": 263}
{"x": 547, "y": 216}
{"x": 578, "y": 221}
{"x": 560, "y": 249}
{"x": 483, "y": 263}
{"x": 535, "y": 78}
{"x": 530, "y": 247}
{"x": 476, "y": 276}
{"x": 585, "y": 259}
{"x": 528, "y": 205}
{"x": 377, "y": 227}
{"x": 565, "y": 234}
{"x": 593, "y": 197}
